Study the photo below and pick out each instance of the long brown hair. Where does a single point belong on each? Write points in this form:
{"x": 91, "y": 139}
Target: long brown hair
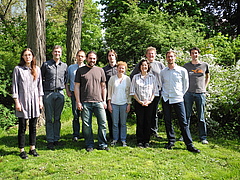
{"x": 33, "y": 63}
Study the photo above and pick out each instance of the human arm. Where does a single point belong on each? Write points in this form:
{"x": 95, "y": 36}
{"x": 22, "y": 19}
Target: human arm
{"x": 207, "y": 79}
{"x": 104, "y": 93}
{"x": 77, "y": 96}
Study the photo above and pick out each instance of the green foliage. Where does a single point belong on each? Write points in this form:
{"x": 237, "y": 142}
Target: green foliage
{"x": 7, "y": 117}
{"x": 138, "y": 30}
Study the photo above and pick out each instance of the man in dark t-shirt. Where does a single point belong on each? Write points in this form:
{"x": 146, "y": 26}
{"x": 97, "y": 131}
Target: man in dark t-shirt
{"x": 90, "y": 93}
{"x": 199, "y": 77}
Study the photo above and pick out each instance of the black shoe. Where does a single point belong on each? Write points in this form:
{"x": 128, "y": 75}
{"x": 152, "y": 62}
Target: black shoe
{"x": 89, "y": 149}
{"x": 57, "y": 143}
{"x": 146, "y": 145}
{"x": 23, "y": 155}
{"x": 33, "y": 152}
{"x": 156, "y": 136}
{"x": 104, "y": 148}
{"x": 193, "y": 149}
{"x": 50, "y": 145}
{"x": 169, "y": 145}
{"x": 140, "y": 145}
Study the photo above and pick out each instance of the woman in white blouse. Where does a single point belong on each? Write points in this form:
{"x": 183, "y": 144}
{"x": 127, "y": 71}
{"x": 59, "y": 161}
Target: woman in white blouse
{"x": 144, "y": 89}
{"x": 27, "y": 94}
{"x": 119, "y": 102}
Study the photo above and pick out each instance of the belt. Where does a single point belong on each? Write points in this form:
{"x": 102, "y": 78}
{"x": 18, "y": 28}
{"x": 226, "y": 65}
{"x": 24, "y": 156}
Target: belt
{"x": 55, "y": 90}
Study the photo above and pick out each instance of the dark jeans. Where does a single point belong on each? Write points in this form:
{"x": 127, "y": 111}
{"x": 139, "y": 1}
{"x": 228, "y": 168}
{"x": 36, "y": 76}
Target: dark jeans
{"x": 200, "y": 101}
{"x": 110, "y": 123}
{"x": 144, "y": 116}
{"x": 181, "y": 115}
{"x": 76, "y": 114}
{"x": 22, "y": 129}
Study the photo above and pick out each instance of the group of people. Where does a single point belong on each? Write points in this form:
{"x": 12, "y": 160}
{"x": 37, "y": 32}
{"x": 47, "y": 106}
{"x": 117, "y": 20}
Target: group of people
{"x": 107, "y": 92}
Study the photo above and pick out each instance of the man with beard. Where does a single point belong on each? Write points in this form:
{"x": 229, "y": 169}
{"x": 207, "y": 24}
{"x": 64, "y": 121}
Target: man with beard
{"x": 90, "y": 92}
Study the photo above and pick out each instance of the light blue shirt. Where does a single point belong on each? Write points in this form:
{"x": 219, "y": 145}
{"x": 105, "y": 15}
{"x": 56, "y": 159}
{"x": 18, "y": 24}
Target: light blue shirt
{"x": 72, "y": 69}
{"x": 175, "y": 84}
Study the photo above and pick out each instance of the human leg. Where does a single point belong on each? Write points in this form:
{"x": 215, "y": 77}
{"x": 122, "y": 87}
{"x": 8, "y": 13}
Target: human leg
{"x": 100, "y": 113}
{"x": 58, "y": 107}
{"x": 139, "y": 110}
{"x": 181, "y": 115}
{"x": 188, "y": 103}
{"x": 76, "y": 115}
{"x": 200, "y": 100}
{"x": 167, "y": 111}
{"x": 48, "y": 100}
{"x": 123, "y": 120}
{"x": 148, "y": 113}
{"x": 32, "y": 132}
{"x": 21, "y": 133}
{"x": 86, "y": 116}
{"x": 154, "y": 119}
{"x": 115, "y": 119}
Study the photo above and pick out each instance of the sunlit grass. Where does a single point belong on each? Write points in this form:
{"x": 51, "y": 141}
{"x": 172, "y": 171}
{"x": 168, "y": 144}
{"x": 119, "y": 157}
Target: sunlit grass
{"x": 217, "y": 160}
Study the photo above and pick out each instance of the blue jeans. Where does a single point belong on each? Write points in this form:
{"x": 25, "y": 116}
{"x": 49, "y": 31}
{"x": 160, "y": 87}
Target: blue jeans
{"x": 181, "y": 115}
{"x": 200, "y": 101}
{"x": 53, "y": 106}
{"x": 76, "y": 114}
{"x": 119, "y": 114}
{"x": 98, "y": 109}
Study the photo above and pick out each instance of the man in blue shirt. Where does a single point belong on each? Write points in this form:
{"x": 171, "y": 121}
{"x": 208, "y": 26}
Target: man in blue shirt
{"x": 175, "y": 84}
{"x": 80, "y": 57}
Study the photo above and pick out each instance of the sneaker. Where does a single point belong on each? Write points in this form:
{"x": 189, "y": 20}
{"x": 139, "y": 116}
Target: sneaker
{"x": 204, "y": 141}
{"x": 50, "y": 145}
{"x": 124, "y": 143}
{"x": 146, "y": 145}
{"x": 104, "y": 148}
{"x": 140, "y": 145}
{"x": 89, "y": 149}
{"x": 23, "y": 155}
{"x": 114, "y": 142}
{"x": 33, "y": 152}
{"x": 193, "y": 149}
{"x": 75, "y": 139}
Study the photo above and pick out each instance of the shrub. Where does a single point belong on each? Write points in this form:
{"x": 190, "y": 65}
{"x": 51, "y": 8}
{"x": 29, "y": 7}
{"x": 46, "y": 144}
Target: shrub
{"x": 7, "y": 117}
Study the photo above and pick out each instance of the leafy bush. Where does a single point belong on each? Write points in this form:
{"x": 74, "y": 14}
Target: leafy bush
{"x": 7, "y": 117}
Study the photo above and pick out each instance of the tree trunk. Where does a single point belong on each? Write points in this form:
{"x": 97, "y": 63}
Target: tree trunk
{"x": 36, "y": 35}
{"x": 74, "y": 26}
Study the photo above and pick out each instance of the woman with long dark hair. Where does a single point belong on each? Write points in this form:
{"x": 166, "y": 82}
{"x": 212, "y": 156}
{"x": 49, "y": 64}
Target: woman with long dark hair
{"x": 27, "y": 94}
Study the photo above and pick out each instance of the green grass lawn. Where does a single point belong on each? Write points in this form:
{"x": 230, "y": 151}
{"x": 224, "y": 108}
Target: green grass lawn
{"x": 220, "y": 159}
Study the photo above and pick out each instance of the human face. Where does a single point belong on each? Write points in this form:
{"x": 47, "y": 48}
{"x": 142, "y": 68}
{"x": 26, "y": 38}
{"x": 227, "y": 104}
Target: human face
{"x": 144, "y": 67}
{"x": 151, "y": 55}
{"x": 57, "y": 53}
{"x": 28, "y": 57}
{"x": 170, "y": 57}
{"x": 121, "y": 69}
{"x": 112, "y": 58}
{"x": 91, "y": 59}
{"x": 80, "y": 57}
{"x": 194, "y": 54}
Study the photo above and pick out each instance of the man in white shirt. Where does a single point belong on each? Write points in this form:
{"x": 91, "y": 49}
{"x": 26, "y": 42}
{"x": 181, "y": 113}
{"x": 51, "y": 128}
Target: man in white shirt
{"x": 175, "y": 83}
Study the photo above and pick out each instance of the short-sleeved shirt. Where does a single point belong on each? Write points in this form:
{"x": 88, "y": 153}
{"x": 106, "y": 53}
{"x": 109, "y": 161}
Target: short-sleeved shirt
{"x": 72, "y": 69}
{"x": 174, "y": 84}
{"x": 109, "y": 72}
{"x": 196, "y": 73}
{"x": 54, "y": 76}
{"x": 90, "y": 80}
{"x": 144, "y": 87}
